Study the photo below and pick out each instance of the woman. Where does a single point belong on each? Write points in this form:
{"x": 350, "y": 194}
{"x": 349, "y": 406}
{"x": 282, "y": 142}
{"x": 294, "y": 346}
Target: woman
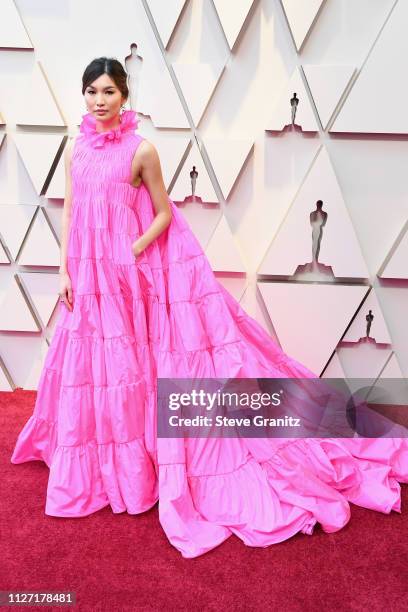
{"x": 139, "y": 301}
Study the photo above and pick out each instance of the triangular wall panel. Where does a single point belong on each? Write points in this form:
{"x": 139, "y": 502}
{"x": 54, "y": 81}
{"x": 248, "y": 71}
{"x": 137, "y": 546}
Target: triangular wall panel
{"x": 42, "y": 290}
{"x": 236, "y": 285}
{"x": 15, "y": 314}
{"x": 392, "y": 369}
{"x": 165, "y": 15}
{"x": 24, "y": 355}
{"x": 14, "y": 223}
{"x": 40, "y": 248}
{"x": 378, "y": 330}
{"x": 202, "y": 219}
{"x": 222, "y": 251}
{"x": 54, "y": 216}
{"x": 327, "y": 84}
{"x": 363, "y": 361}
{"x": 169, "y": 115}
{"x": 281, "y": 115}
{"x": 338, "y": 261}
{"x": 396, "y": 264}
{"x": 232, "y": 16}
{"x": 254, "y": 305}
{"x": 182, "y": 187}
{"x": 12, "y": 31}
{"x": 38, "y": 166}
{"x": 373, "y": 103}
{"x": 227, "y": 157}
{"x": 197, "y": 82}
{"x": 3, "y": 256}
{"x": 310, "y": 319}
{"x": 301, "y": 16}
{"x": 334, "y": 369}
{"x": 42, "y": 109}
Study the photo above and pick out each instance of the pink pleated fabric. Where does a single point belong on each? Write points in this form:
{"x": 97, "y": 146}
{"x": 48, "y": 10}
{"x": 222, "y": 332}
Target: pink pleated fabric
{"x": 164, "y": 314}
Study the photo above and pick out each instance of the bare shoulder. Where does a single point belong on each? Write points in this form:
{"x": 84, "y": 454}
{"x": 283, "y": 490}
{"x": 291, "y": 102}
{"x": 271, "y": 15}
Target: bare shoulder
{"x": 150, "y": 168}
{"x": 147, "y": 152}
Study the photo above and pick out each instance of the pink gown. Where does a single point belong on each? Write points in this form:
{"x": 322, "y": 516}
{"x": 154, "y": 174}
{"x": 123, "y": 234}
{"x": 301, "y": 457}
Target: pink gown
{"x": 164, "y": 314}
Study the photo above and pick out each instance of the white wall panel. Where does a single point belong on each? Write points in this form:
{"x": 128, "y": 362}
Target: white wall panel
{"x": 14, "y": 311}
{"x": 12, "y": 31}
{"x": 38, "y": 152}
{"x": 25, "y": 97}
{"x": 182, "y": 187}
{"x": 222, "y": 251}
{"x": 202, "y": 218}
{"x": 165, "y": 15}
{"x": 42, "y": 290}
{"x": 232, "y": 17}
{"x": 340, "y": 253}
{"x": 40, "y": 247}
{"x": 378, "y": 329}
{"x": 310, "y": 319}
{"x": 281, "y": 115}
{"x": 327, "y": 85}
{"x": 301, "y": 16}
{"x": 374, "y": 103}
{"x": 14, "y": 224}
{"x": 227, "y": 157}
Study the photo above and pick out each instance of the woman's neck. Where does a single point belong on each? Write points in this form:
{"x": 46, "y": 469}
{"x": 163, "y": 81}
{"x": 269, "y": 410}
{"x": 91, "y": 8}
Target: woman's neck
{"x": 106, "y": 126}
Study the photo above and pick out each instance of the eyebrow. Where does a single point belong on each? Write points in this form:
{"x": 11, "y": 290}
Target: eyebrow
{"x": 108, "y": 87}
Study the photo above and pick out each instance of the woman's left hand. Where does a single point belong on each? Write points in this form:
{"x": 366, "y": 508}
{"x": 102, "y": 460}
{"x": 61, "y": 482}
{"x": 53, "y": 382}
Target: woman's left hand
{"x": 136, "y": 248}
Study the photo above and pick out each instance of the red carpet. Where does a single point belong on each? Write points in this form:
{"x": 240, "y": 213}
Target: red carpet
{"x": 123, "y": 562}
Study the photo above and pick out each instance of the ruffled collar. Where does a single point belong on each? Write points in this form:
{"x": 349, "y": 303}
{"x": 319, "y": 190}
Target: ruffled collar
{"x": 128, "y": 121}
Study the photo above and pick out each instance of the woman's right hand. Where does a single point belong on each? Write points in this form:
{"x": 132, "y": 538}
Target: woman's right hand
{"x": 65, "y": 291}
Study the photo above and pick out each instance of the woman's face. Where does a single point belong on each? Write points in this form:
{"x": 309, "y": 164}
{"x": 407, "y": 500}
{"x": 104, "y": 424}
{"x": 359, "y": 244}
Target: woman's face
{"x": 103, "y": 95}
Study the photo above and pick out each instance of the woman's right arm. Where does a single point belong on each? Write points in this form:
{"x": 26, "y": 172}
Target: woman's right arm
{"x": 65, "y": 281}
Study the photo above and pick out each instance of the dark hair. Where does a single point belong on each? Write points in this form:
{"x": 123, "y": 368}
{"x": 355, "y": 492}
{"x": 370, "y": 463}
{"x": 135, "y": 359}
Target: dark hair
{"x": 106, "y": 65}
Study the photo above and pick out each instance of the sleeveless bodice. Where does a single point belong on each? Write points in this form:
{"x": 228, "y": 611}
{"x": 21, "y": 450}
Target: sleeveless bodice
{"x": 103, "y": 165}
{"x": 102, "y": 161}
{"x": 103, "y": 220}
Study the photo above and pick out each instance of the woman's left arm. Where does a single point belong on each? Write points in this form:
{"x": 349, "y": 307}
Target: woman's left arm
{"x": 151, "y": 174}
